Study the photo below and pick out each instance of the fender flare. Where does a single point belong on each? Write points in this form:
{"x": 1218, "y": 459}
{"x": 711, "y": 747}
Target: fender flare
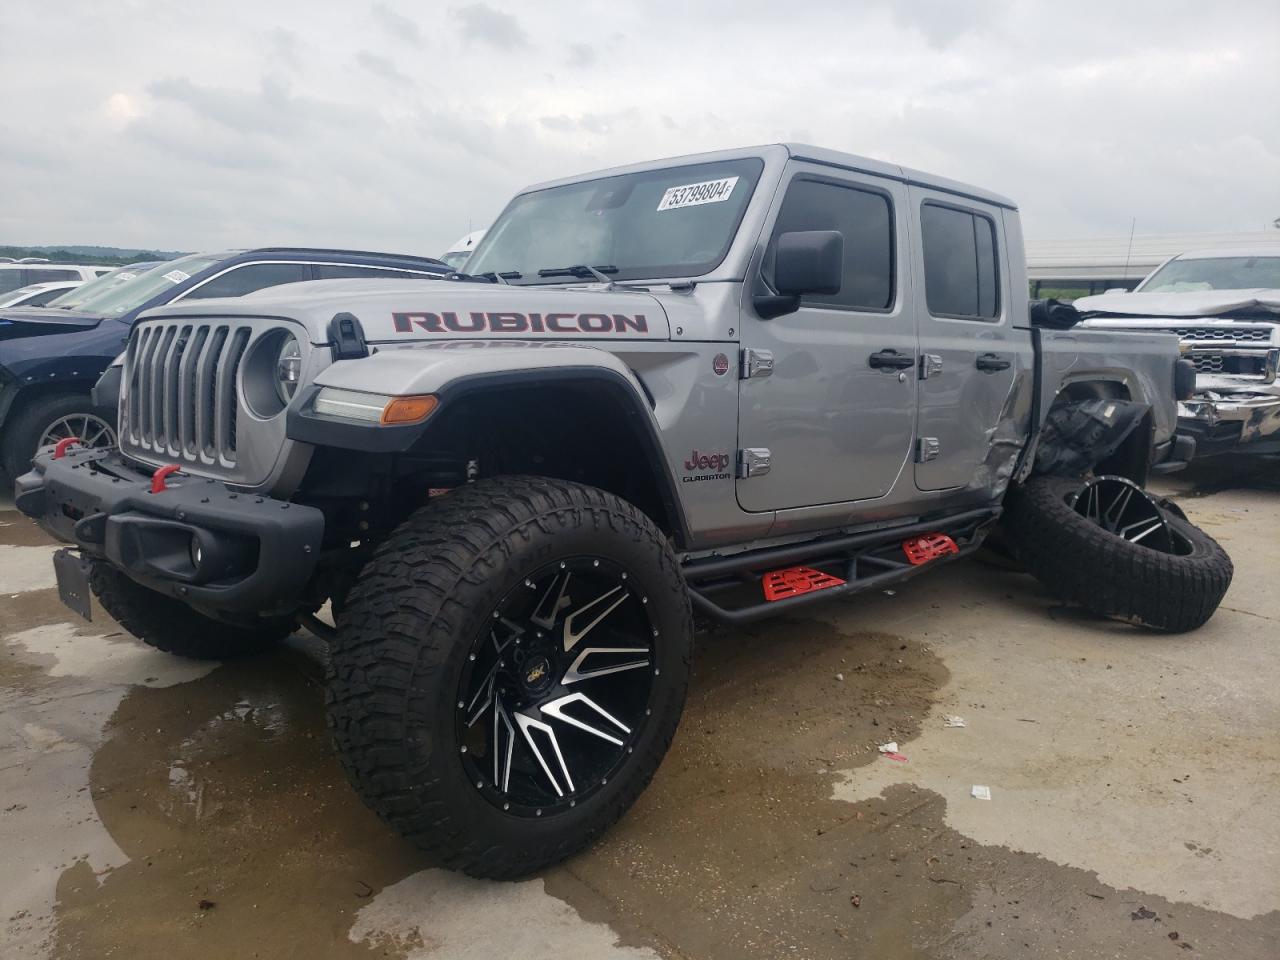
{"x": 409, "y": 371}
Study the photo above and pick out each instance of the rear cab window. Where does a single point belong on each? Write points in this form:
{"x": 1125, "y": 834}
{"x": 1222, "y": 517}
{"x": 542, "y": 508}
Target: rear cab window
{"x": 961, "y": 271}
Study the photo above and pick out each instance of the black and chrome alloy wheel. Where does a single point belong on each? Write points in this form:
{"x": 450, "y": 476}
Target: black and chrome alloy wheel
{"x": 509, "y": 670}
{"x": 1121, "y": 507}
{"x": 557, "y": 687}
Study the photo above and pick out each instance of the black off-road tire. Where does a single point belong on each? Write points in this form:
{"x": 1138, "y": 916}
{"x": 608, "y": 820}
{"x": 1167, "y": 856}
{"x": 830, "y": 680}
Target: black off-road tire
{"x": 402, "y": 644}
{"x": 1084, "y": 564}
{"x": 175, "y": 628}
{"x": 23, "y": 432}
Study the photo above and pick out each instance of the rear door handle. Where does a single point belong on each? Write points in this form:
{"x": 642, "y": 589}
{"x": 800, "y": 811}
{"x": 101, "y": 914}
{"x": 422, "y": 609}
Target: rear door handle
{"x": 891, "y": 360}
{"x": 990, "y": 363}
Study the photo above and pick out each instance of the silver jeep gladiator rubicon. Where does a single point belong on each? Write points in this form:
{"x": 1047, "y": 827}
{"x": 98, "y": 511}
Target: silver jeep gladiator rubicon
{"x": 734, "y": 383}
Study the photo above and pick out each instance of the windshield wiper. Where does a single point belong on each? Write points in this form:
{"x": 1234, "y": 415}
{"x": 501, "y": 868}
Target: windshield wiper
{"x": 489, "y": 276}
{"x": 580, "y": 270}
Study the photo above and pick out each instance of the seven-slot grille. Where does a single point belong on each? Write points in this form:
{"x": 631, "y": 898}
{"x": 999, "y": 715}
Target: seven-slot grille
{"x": 180, "y": 399}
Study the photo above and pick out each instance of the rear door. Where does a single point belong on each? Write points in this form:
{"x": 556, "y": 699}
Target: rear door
{"x": 970, "y": 354}
{"x": 837, "y": 423}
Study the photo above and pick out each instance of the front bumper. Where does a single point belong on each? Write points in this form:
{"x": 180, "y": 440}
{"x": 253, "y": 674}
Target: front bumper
{"x": 1243, "y": 422}
{"x": 199, "y": 541}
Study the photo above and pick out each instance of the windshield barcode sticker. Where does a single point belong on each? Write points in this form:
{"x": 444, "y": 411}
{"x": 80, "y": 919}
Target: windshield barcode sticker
{"x": 177, "y": 276}
{"x": 692, "y": 194}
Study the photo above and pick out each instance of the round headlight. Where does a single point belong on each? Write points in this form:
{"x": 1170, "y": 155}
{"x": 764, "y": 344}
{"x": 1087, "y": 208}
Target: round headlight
{"x": 288, "y": 368}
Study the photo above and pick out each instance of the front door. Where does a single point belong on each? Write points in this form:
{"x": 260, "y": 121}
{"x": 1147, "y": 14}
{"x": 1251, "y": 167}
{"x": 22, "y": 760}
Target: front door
{"x": 970, "y": 352}
{"x": 837, "y": 410}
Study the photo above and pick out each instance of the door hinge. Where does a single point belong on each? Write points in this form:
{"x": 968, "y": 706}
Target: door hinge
{"x": 754, "y": 462}
{"x": 927, "y": 448}
{"x": 930, "y": 365}
{"x": 756, "y": 363}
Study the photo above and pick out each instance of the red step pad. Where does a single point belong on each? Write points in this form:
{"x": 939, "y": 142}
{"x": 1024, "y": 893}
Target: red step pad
{"x": 929, "y": 547}
{"x": 780, "y": 584}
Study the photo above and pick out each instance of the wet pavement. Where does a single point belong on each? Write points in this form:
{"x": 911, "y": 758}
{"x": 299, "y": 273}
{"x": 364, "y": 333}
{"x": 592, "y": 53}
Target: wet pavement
{"x": 151, "y": 807}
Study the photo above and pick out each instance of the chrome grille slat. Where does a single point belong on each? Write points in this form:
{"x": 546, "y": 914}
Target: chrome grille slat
{"x": 186, "y": 402}
{"x": 169, "y": 390}
{"x": 206, "y": 385}
{"x": 1239, "y": 334}
{"x": 144, "y": 389}
{"x": 156, "y": 399}
{"x": 225, "y": 396}
{"x": 132, "y": 405}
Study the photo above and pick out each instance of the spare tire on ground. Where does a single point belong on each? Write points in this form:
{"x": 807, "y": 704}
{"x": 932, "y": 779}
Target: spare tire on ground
{"x": 1109, "y": 546}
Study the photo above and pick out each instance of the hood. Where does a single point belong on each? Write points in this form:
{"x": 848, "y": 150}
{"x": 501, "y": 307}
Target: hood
{"x": 1259, "y": 304}
{"x": 401, "y": 311}
{"x": 20, "y": 322}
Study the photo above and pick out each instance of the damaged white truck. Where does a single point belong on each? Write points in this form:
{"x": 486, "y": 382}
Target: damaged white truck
{"x": 732, "y": 384}
{"x": 1224, "y": 305}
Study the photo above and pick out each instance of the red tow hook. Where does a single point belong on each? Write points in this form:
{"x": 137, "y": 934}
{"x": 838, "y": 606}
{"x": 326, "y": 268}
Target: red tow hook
{"x": 60, "y": 449}
{"x": 163, "y": 473}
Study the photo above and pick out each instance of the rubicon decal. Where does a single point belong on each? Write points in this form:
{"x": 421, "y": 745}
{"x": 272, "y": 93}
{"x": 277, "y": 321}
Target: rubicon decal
{"x": 477, "y": 321}
{"x": 715, "y": 465}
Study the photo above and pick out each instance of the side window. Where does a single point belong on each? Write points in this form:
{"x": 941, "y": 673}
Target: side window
{"x": 253, "y": 276}
{"x": 342, "y": 271}
{"x": 10, "y": 280}
{"x": 44, "y": 275}
{"x": 866, "y": 221}
{"x": 961, "y": 278}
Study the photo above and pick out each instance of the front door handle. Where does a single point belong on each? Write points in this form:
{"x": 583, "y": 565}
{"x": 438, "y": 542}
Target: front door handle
{"x": 990, "y": 363}
{"x": 891, "y": 360}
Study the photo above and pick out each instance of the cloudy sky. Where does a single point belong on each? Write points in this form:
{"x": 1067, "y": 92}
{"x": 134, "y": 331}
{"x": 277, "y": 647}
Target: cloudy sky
{"x": 396, "y": 125}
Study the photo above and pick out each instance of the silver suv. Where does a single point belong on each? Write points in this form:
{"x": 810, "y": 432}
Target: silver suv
{"x": 736, "y": 383}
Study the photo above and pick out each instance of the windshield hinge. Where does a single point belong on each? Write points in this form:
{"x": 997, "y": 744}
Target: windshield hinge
{"x": 346, "y": 337}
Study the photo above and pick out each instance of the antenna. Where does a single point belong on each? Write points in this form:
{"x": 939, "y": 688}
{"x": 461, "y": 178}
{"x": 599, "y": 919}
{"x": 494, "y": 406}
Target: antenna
{"x": 1132, "y": 223}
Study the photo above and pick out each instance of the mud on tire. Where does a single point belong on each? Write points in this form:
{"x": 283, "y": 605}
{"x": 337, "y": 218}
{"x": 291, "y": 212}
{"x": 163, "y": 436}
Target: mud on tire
{"x": 175, "y": 628}
{"x": 1083, "y": 563}
{"x": 423, "y": 622}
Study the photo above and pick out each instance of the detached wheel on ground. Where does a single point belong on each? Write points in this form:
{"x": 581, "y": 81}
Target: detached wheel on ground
{"x": 1110, "y": 547}
{"x": 50, "y": 418}
{"x": 175, "y": 628}
{"x": 509, "y": 671}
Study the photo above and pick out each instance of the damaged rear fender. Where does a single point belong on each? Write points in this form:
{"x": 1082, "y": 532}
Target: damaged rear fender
{"x": 1080, "y": 435}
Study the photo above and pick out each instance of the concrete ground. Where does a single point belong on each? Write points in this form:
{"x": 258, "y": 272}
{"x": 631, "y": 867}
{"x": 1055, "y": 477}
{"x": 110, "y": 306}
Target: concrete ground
{"x": 151, "y": 807}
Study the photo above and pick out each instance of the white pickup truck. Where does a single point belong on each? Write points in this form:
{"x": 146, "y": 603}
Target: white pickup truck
{"x": 1225, "y": 307}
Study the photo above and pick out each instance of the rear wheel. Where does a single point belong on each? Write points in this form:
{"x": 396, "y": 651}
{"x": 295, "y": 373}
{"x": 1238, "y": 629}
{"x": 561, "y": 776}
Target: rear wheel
{"x": 50, "y": 418}
{"x": 1111, "y": 547}
{"x": 509, "y": 671}
{"x": 175, "y": 628}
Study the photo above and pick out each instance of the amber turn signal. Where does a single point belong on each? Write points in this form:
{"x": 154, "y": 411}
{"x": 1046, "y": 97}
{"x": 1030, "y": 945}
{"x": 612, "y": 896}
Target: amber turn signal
{"x": 409, "y": 409}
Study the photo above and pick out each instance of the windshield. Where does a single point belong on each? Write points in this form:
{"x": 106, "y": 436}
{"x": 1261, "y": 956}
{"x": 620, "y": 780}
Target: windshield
{"x": 1214, "y": 273}
{"x": 78, "y": 295}
{"x": 456, "y": 258}
{"x": 674, "y": 222}
{"x": 122, "y": 297}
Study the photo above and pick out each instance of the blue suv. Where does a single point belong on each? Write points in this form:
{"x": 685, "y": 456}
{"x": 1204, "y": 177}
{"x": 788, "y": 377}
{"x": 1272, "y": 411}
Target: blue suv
{"x": 51, "y": 357}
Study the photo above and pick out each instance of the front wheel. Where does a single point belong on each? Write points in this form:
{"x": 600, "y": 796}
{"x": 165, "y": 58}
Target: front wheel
{"x": 1111, "y": 547}
{"x": 509, "y": 671}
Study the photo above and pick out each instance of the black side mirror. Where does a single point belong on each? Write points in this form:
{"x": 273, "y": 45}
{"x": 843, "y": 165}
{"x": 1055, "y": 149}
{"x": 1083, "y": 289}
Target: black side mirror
{"x": 805, "y": 261}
